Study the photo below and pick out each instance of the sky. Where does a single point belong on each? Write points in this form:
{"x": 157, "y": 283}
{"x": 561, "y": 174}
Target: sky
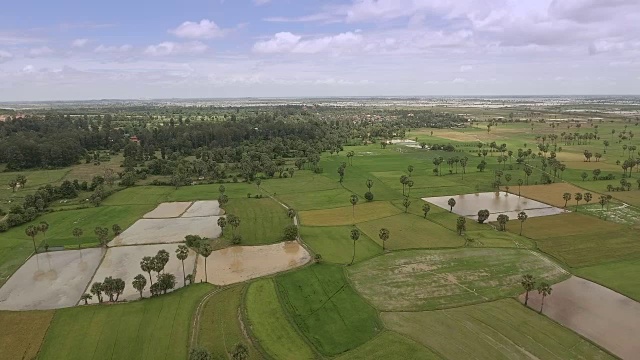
{"x": 81, "y": 50}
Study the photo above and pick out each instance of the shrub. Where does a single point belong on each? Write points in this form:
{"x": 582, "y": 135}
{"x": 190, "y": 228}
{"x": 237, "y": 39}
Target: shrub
{"x": 236, "y": 240}
{"x": 4, "y": 226}
{"x": 368, "y": 196}
{"x": 290, "y": 233}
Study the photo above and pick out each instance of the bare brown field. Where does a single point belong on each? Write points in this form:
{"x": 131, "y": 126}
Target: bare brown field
{"x": 348, "y": 215}
{"x": 551, "y": 194}
{"x": 597, "y": 313}
{"x": 21, "y": 333}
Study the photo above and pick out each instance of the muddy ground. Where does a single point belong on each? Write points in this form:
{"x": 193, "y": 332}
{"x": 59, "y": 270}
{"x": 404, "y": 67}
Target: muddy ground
{"x": 168, "y": 210}
{"x": 50, "y": 280}
{"x": 124, "y": 262}
{"x": 204, "y": 208}
{"x": 603, "y": 316}
{"x": 165, "y": 231}
{"x": 241, "y": 263}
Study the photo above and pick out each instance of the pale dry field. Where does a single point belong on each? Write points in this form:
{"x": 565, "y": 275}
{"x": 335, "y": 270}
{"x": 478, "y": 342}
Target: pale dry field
{"x": 203, "y": 208}
{"x": 124, "y": 262}
{"x": 168, "y": 210}
{"x": 166, "y": 231}
{"x": 50, "y": 280}
{"x": 242, "y": 263}
{"x": 601, "y": 315}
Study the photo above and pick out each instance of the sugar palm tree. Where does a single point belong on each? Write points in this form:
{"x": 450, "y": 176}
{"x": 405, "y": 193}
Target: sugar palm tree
{"x": 222, "y": 223}
{"x": 578, "y": 198}
{"x": 410, "y": 169}
{"x": 503, "y": 219}
{"x": 384, "y": 236}
{"x": 355, "y": 235}
{"x": 588, "y": 197}
{"x": 182, "y": 253}
{"x": 522, "y": 216}
{"x": 520, "y": 183}
{"x": 291, "y": 213}
{"x": 139, "y": 283}
{"x": 147, "y": 264}
{"x": 205, "y": 251}
{"x": 451, "y": 203}
{"x": 353, "y": 200}
{"x": 461, "y": 224}
{"x": 31, "y": 231}
{"x": 425, "y": 209}
{"x": 566, "y": 197}
{"x": 77, "y": 232}
{"x": 544, "y": 289}
{"x": 86, "y": 298}
{"x": 406, "y": 203}
{"x": 43, "y": 227}
{"x": 528, "y": 284}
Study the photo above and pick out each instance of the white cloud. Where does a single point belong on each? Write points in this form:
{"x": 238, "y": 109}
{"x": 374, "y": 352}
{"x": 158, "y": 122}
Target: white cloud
{"x": 78, "y": 43}
{"x": 40, "y": 51}
{"x": 28, "y": 69}
{"x": 465, "y": 68}
{"x": 459, "y": 80}
{"x": 205, "y": 29}
{"x": 286, "y": 42}
{"x": 5, "y": 56}
{"x": 172, "y": 48}
{"x": 261, "y": 2}
{"x": 104, "y": 49}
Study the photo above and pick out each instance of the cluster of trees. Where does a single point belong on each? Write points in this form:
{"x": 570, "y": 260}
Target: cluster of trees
{"x": 587, "y": 197}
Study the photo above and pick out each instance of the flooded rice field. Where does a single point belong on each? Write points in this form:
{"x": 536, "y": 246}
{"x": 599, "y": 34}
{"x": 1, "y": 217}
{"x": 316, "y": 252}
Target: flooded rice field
{"x": 601, "y": 315}
{"x": 241, "y": 263}
{"x": 204, "y": 208}
{"x": 50, "y": 280}
{"x": 166, "y": 231}
{"x": 496, "y": 202}
{"x": 168, "y": 210}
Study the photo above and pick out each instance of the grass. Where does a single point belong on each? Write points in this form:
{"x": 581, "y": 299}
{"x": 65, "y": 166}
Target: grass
{"x": 347, "y": 215}
{"x": 326, "y": 309}
{"x": 262, "y": 221}
{"x": 156, "y": 328}
{"x": 335, "y": 245}
{"x": 420, "y": 280}
{"x": 502, "y": 329}
{"x": 321, "y": 199}
{"x": 616, "y": 276}
{"x": 140, "y": 195}
{"x": 212, "y": 192}
{"x": 593, "y": 248}
{"x": 408, "y": 231}
{"x": 269, "y": 324}
{"x": 390, "y": 345}
{"x": 22, "y": 333}
{"x": 220, "y": 326}
{"x": 566, "y": 224}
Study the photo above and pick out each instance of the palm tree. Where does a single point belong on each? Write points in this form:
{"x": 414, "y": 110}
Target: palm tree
{"x": 483, "y": 215}
{"x": 544, "y": 289}
{"x": 566, "y": 197}
{"x": 182, "y": 253}
{"x": 291, "y": 213}
{"x": 117, "y": 230}
{"x": 528, "y": 284}
{"x": 118, "y": 285}
{"x": 102, "y": 234}
{"x": 406, "y": 203}
{"x": 353, "y": 200}
{"x": 86, "y": 298}
{"x": 222, "y": 223}
{"x": 77, "y": 232}
{"x": 425, "y": 209}
{"x": 451, "y": 203}
{"x": 96, "y": 289}
{"x": 410, "y": 169}
{"x": 578, "y": 198}
{"x": 31, "y": 231}
{"x": 369, "y": 184}
{"x": 355, "y": 235}
{"x": 43, "y": 227}
{"x": 461, "y": 224}
{"x": 502, "y": 221}
{"x": 409, "y": 185}
{"x": 588, "y": 197}
{"x": 139, "y": 283}
{"x": 522, "y": 216}
{"x": 384, "y": 236}
{"x": 222, "y": 189}
{"x": 205, "y": 251}
{"x": 258, "y": 182}
{"x": 520, "y": 183}
{"x": 147, "y": 264}
{"x": 234, "y": 221}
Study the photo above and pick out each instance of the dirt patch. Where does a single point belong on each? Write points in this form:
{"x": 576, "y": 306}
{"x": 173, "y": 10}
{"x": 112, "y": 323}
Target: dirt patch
{"x": 497, "y": 203}
{"x": 50, "y": 280}
{"x": 204, "y": 208}
{"x": 168, "y": 210}
{"x": 241, "y": 263}
{"x": 599, "y": 314}
{"x": 156, "y": 231}
{"x": 124, "y": 262}
{"x": 552, "y": 194}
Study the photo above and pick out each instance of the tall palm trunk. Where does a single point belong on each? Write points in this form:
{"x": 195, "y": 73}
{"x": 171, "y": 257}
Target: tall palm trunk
{"x": 150, "y": 278}
{"x": 206, "y": 278}
{"x": 353, "y": 258}
{"x": 526, "y": 298}
{"x": 184, "y": 275}
{"x": 521, "y": 223}
{"x": 35, "y": 250}
{"x": 542, "y": 304}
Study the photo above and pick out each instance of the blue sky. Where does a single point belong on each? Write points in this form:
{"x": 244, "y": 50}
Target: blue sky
{"x": 64, "y": 50}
